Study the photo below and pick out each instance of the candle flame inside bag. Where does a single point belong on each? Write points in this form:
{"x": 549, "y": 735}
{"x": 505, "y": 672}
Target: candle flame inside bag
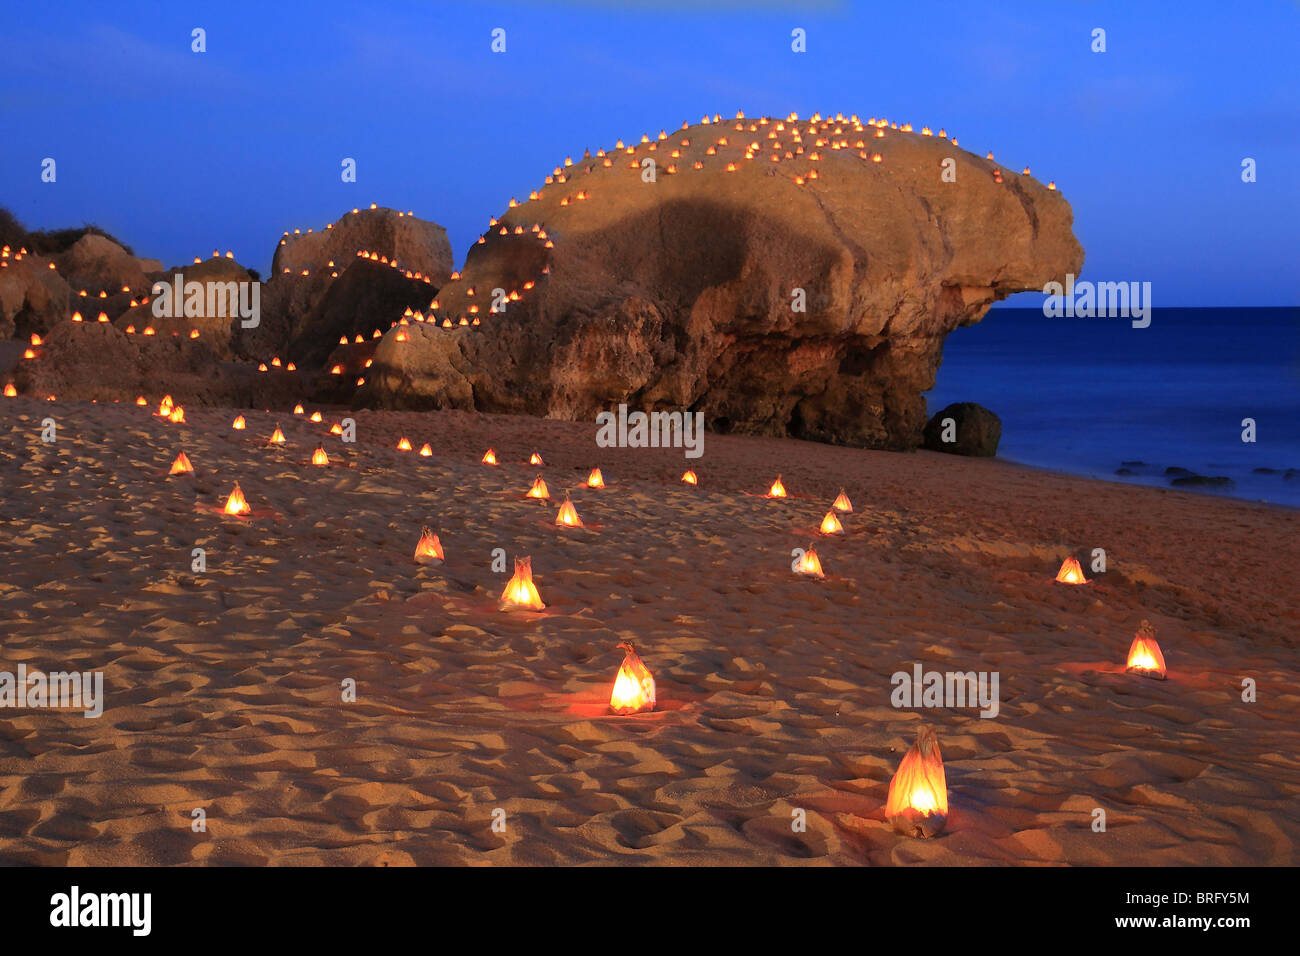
{"x": 1071, "y": 572}
{"x": 634, "y": 687}
{"x": 429, "y": 547}
{"x": 539, "y": 489}
{"x": 568, "y": 515}
{"x": 235, "y": 504}
{"x": 520, "y": 591}
{"x": 917, "y": 804}
{"x": 1144, "y": 655}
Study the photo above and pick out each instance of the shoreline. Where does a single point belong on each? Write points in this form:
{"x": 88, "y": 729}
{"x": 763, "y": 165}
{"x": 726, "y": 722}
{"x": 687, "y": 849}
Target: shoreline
{"x": 1149, "y": 482}
{"x": 1158, "y": 395}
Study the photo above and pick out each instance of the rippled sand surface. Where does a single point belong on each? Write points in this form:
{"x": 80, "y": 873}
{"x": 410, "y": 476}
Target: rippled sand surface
{"x": 223, "y": 687}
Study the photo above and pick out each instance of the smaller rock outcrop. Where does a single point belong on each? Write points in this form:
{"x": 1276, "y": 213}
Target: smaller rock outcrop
{"x": 964, "y": 428}
{"x": 307, "y": 265}
{"x": 96, "y": 263}
{"x": 366, "y": 296}
{"x": 85, "y": 361}
{"x": 223, "y": 281}
{"x": 33, "y": 297}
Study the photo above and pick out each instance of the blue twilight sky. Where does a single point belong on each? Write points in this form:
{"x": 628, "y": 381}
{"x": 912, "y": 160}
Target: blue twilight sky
{"x": 179, "y": 153}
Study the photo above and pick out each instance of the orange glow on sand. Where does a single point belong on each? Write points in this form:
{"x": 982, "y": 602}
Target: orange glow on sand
{"x": 810, "y": 564}
{"x": 842, "y": 502}
{"x": 539, "y": 489}
{"x": 1070, "y": 572}
{"x": 277, "y": 436}
{"x": 319, "y": 457}
{"x": 181, "y": 466}
{"x": 520, "y": 592}
{"x": 595, "y": 479}
{"x": 489, "y": 457}
{"x": 429, "y": 547}
{"x": 777, "y": 490}
{"x": 634, "y": 686}
{"x": 567, "y": 516}
{"x": 239, "y": 424}
{"x": 235, "y": 504}
{"x": 1144, "y": 655}
{"x": 831, "y": 524}
{"x": 690, "y": 479}
{"x": 917, "y": 804}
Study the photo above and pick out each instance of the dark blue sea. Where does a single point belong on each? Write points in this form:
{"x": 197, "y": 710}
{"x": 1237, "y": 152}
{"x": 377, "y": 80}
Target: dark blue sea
{"x": 1092, "y": 396}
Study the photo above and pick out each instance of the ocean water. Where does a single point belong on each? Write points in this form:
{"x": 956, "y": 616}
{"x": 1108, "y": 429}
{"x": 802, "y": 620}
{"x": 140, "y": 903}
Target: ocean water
{"x": 1087, "y": 395}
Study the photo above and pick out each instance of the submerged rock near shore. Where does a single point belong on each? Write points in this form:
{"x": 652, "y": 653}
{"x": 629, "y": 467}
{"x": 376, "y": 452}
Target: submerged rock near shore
{"x": 785, "y": 277}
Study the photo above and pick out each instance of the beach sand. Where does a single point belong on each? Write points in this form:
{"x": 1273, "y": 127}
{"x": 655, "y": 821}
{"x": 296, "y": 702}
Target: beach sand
{"x": 223, "y": 687}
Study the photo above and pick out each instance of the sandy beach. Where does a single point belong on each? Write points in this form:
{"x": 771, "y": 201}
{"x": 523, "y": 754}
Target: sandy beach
{"x": 223, "y": 686}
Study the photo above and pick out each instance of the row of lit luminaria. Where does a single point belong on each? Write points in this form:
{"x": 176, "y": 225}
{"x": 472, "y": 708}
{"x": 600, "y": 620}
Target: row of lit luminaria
{"x": 1144, "y": 658}
{"x": 7, "y": 255}
{"x": 819, "y": 129}
{"x": 752, "y": 149}
{"x": 779, "y": 151}
{"x": 298, "y": 232}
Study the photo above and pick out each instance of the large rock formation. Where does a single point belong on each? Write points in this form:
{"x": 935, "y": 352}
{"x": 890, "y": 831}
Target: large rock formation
{"x": 307, "y": 264}
{"x": 217, "y": 318}
{"x": 787, "y": 286}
